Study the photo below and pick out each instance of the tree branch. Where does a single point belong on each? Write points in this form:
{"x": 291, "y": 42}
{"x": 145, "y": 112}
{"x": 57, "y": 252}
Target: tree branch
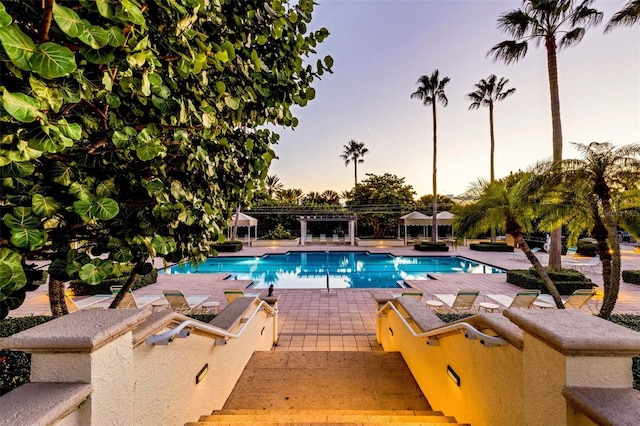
{"x": 46, "y": 22}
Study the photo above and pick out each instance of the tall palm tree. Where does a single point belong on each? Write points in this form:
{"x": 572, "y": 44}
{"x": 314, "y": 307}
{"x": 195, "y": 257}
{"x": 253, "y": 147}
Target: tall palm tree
{"x": 604, "y": 173}
{"x": 291, "y": 195}
{"x": 430, "y": 92}
{"x": 629, "y": 15}
{"x": 354, "y": 151}
{"x": 499, "y": 204}
{"x": 544, "y": 21}
{"x": 273, "y": 186}
{"x": 487, "y": 93}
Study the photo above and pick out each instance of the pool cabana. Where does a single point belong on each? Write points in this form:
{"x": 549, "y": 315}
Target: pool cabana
{"x": 244, "y": 220}
{"x": 414, "y": 218}
{"x": 333, "y": 218}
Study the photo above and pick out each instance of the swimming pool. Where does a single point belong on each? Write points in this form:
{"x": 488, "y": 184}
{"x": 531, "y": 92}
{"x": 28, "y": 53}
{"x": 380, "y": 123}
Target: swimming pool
{"x": 345, "y": 269}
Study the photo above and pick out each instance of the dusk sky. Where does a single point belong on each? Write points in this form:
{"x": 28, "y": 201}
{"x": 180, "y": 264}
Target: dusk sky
{"x": 381, "y": 48}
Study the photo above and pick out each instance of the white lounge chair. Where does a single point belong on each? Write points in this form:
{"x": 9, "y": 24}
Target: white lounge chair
{"x": 323, "y": 238}
{"x": 592, "y": 264}
{"x": 523, "y": 299}
{"x": 577, "y": 300}
{"x": 336, "y": 239}
{"x": 184, "y": 304}
{"x": 570, "y": 257}
{"x": 233, "y": 293}
{"x": 130, "y": 301}
{"x": 520, "y": 255}
{"x": 463, "y": 301}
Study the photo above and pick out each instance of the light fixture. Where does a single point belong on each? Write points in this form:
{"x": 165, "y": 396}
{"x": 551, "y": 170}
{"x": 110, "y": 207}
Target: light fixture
{"x": 452, "y": 374}
{"x": 203, "y": 372}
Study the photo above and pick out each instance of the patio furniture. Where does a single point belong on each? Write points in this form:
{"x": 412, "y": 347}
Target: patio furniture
{"x": 463, "y": 301}
{"x": 577, "y": 300}
{"x": 323, "y": 238}
{"x": 592, "y": 264}
{"x": 183, "y": 304}
{"x": 233, "y": 293}
{"x": 98, "y": 301}
{"x": 524, "y": 299}
{"x": 336, "y": 239}
{"x": 129, "y": 301}
{"x": 520, "y": 255}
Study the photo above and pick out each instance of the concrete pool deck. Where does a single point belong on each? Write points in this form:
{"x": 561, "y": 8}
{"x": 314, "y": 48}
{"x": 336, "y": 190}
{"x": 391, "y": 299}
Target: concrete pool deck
{"x": 344, "y": 319}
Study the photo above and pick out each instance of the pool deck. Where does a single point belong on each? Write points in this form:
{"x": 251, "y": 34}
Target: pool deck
{"x": 344, "y": 319}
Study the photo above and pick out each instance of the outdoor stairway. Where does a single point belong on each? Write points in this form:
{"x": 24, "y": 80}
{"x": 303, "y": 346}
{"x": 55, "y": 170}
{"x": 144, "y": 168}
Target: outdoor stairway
{"x": 336, "y": 388}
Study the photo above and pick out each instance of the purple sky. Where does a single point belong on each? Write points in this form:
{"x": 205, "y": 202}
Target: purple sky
{"x": 381, "y": 48}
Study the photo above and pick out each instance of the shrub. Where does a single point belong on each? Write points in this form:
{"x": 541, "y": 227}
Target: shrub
{"x": 228, "y": 246}
{"x": 279, "y": 233}
{"x": 585, "y": 248}
{"x": 632, "y": 322}
{"x": 452, "y": 316}
{"x": 81, "y": 288}
{"x": 487, "y": 246}
{"x": 567, "y": 280}
{"x": 631, "y": 277}
{"x": 15, "y": 366}
{"x": 427, "y": 246}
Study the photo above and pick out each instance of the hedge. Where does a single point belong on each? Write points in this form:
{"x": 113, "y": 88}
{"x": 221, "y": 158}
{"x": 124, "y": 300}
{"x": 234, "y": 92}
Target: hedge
{"x": 567, "y": 280}
{"x": 487, "y": 246}
{"x": 81, "y": 288}
{"x": 631, "y": 277}
{"x": 15, "y": 366}
{"x": 585, "y": 248}
{"x": 227, "y": 246}
{"x": 427, "y": 246}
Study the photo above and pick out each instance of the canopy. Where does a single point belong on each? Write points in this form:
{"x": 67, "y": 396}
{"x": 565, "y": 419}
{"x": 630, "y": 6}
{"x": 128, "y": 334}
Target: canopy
{"x": 244, "y": 220}
{"x": 414, "y": 218}
{"x": 444, "y": 218}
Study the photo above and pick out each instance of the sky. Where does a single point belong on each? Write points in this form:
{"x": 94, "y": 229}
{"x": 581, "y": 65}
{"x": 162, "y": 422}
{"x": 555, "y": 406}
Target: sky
{"x": 381, "y": 48}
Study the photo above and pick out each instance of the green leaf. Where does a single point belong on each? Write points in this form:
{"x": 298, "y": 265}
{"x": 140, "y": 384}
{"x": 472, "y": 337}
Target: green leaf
{"x": 232, "y": 102}
{"x": 148, "y": 151}
{"x": 50, "y": 96}
{"x": 94, "y": 36}
{"x": 98, "y": 57}
{"x": 115, "y": 37}
{"x": 80, "y": 191}
{"x": 221, "y": 87}
{"x": 227, "y": 46}
{"x": 128, "y": 11}
{"x": 113, "y": 100}
{"x": 104, "y": 209}
{"x": 95, "y": 271}
{"x": 17, "y": 169}
{"x": 120, "y": 254}
{"x": 310, "y": 94}
{"x": 105, "y": 8}
{"x": 82, "y": 208}
{"x": 70, "y": 130}
{"x": 21, "y": 107}
{"x": 328, "y": 60}
{"x": 63, "y": 174}
{"x": 5, "y": 18}
{"x": 163, "y": 245}
{"x": 53, "y": 61}
{"x": 18, "y": 45}
{"x": 21, "y": 218}
{"x": 44, "y": 206}
{"x": 25, "y": 237}
{"x": 68, "y": 20}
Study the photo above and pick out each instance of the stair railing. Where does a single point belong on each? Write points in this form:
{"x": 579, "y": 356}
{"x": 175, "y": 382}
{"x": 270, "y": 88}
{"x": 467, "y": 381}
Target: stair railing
{"x": 182, "y": 330}
{"x": 469, "y": 331}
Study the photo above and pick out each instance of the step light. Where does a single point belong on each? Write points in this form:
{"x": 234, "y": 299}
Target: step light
{"x": 452, "y": 374}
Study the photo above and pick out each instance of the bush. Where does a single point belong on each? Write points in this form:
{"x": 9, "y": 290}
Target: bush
{"x": 279, "y": 233}
{"x": 585, "y": 248}
{"x": 451, "y": 317}
{"x": 81, "y": 288}
{"x": 427, "y": 246}
{"x": 15, "y": 366}
{"x": 631, "y": 277}
{"x": 227, "y": 246}
{"x": 487, "y": 246}
{"x": 567, "y": 280}
{"x": 632, "y": 322}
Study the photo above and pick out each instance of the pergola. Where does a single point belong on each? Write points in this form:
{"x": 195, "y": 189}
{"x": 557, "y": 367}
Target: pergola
{"x": 333, "y": 218}
{"x": 245, "y": 220}
{"x": 413, "y": 219}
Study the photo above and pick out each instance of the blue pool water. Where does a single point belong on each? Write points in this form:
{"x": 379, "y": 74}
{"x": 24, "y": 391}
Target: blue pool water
{"x": 346, "y": 269}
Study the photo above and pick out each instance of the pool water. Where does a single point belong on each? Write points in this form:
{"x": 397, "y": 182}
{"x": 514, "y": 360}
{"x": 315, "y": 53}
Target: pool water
{"x": 345, "y": 269}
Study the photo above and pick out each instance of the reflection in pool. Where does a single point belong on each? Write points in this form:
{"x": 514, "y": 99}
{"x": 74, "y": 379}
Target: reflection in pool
{"x": 345, "y": 269}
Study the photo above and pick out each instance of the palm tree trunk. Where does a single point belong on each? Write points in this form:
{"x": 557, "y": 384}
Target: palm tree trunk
{"x": 125, "y": 288}
{"x": 542, "y": 273}
{"x": 355, "y": 172}
{"x": 491, "y": 160}
{"x": 56, "y": 297}
{"x": 610, "y": 259}
{"x": 434, "y": 223}
{"x": 555, "y": 250}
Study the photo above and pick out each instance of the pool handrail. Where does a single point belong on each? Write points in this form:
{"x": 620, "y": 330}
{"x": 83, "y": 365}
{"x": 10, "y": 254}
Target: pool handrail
{"x": 469, "y": 331}
{"x": 180, "y": 332}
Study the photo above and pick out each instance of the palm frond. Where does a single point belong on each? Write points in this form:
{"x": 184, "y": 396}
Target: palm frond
{"x": 515, "y": 22}
{"x": 572, "y": 37}
{"x": 628, "y": 16}
{"x": 509, "y": 51}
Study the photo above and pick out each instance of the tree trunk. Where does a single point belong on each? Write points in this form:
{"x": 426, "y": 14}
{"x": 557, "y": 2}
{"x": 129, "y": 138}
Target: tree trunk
{"x": 56, "y": 297}
{"x": 491, "y": 160}
{"x": 540, "y": 270}
{"x": 555, "y": 251}
{"x": 234, "y": 232}
{"x": 434, "y": 223}
{"x": 610, "y": 259}
{"x": 355, "y": 172}
{"x": 125, "y": 288}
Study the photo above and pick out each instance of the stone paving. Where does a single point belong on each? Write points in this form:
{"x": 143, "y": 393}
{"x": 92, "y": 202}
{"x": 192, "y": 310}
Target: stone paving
{"x": 344, "y": 319}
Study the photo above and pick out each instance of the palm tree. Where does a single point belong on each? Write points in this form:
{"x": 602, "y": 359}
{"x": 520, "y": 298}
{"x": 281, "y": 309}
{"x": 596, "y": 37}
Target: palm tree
{"x": 354, "y": 151}
{"x": 499, "y": 204}
{"x": 331, "y": 197}
{"x": 430, "y": 92}
{"x": 487, "y": 93}
{"x": 545, "y": 21}
{"x": 293, "y": 195}
{"x": 604, "y": 175}
{"x": 629, "y": 15}
{"x": 273, "y": 186}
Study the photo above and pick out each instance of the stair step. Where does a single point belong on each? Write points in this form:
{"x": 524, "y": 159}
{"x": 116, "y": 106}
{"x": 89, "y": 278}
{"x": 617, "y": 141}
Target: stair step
{"x": 327, "y": 418}
{"x": 273, "y": 412}
{"x": 361, "y": 422}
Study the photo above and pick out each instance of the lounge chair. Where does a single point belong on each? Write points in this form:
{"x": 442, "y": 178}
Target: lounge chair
{"x": 520, "y": 255}
{"x": 523, "y": 299}
{"x": 592, "y": 264}
{"x": 336, "y": 239}
{"x": 233, "y": 293}
{"x": 98, "y": 301}
{"x": 130, "y": 301}
{"x": 463, "y": 301}
{"x": 309, "y": 238}
{"x": 181, "y": 304}
{"x": 570, "y": 257}
{"x": 577, "y": 300}
{"x": 323, "y": 238}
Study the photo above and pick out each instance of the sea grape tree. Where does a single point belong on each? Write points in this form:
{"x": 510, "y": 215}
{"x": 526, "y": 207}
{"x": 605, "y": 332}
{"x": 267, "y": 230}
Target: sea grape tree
{"x": 131, "y": 130}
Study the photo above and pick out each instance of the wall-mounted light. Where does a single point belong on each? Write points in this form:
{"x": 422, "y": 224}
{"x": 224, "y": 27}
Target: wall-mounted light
{"x": 203, "y": 372}
{"x": 452, "y": 374}
{"x": 391, "y": 330}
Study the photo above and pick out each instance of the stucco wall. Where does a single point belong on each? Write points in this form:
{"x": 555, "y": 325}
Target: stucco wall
{"x": 491, "y": 388}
